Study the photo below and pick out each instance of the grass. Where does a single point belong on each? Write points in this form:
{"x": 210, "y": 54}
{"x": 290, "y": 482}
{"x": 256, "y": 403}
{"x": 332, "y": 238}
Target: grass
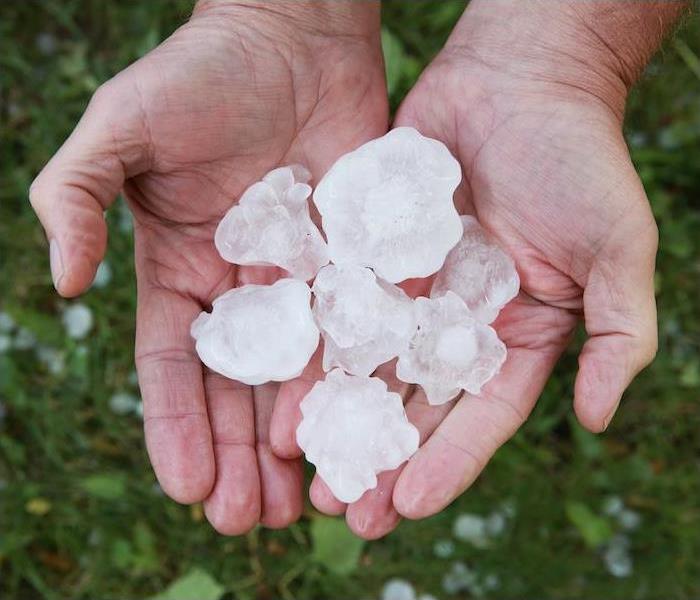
{"x": 81, "y": 516}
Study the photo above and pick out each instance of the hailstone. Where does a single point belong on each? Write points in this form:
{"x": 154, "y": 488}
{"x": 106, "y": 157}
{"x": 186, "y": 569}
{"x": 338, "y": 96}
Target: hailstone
{"x": 352, "y": 429}
{"x": 479, "y": 272}
{"x": 271, "y": 225}
{"x": 451, "y": 351}
{"x": 258, "y": 333}
{"x": 364, "y": 320}
{"x": 388, "y": 205}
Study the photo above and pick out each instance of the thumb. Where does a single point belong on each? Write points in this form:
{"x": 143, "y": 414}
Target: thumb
{"x": 620, "y": 317}
{"x": 82, "y": 180}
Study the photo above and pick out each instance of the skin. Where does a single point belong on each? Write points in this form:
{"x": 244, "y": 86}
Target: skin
{"x": 548, "y": 174}
{"x": 535, "y": 121}
{"x": 228, "y": 97}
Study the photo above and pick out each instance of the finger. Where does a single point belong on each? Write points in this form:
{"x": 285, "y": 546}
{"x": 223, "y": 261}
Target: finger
{"x": 234, "y": 505}
{"x": 281, "y": 479}
{"x": 477, "y": 426}
{"x": 373, "y": 515}
{"x": 620, "y": 315}
{"x": 287, "y": 415}
{"x": 323, "y": 499}
{"x": 81, "y": 181}
{"x": 176, "y": 423}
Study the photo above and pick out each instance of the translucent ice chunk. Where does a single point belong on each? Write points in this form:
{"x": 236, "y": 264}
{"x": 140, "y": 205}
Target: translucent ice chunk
{"x": 388, "y": 205}
{"x": 352, "y": 429}
{"x": 451, "y": 351}
{"x": 258, "y": 333}
{"x": 271, "y": 225}
{"x": 364, "y": 321}
{"x": 479, "y": 272}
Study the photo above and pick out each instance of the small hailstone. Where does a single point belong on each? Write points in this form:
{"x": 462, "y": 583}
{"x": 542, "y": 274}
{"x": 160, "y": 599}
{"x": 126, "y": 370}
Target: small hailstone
{"x": 398, "y": 589}
{"x": 7, "y": 323}
{"x": 613, "y": 506}
{"x": 629, "y": 519}
{"x": 123, "y": 403}
{"x": 444, "y": 548}
{"x": 495, "y": 524}
{"x": 616, "y": 557}
{"x": 458, "y": 579}
{"x": 258, "y": 333}
{"x": 472, "y": 529}
{"x": 103, "y": 275}
{"x": 53, "y": 359}
{"x": 270, "y": 225}
{"x": 451, "y": 351}
{"x": 24, "y": 339}
{"x": 77, "y": 320}
{"x": 479, "y": 272}
{"x": 352, "y": 429}
{"x": 364, "y": 321}
{"x": 388, "y": 205}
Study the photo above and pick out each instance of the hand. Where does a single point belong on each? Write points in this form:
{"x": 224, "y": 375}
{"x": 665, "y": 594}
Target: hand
{"x": 548, "y": 173}
{"x": 232, "y": 94}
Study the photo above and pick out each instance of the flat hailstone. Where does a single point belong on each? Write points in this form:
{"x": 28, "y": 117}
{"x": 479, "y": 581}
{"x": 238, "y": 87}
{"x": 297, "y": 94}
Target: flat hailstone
{"x": 258, "y": 333}
{"x": 271, "y": 226}
{"x": 364, "y": 320}
{"x": 451, "y": 351}
{"x": 352, "y": 429}
{"x": 388, "y": 205}
{"x": 479, "y": 272}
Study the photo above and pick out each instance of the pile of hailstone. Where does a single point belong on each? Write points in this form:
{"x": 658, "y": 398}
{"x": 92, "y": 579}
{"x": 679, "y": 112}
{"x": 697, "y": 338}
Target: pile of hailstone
{"x": 388, "y": 215}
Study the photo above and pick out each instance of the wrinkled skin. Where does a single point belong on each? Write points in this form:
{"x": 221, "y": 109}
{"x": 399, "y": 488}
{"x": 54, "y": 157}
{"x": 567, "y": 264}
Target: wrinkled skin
{"x": 547, "y": 172}
{"x": 214, "y": 108}
{"x": 185, "y": 130}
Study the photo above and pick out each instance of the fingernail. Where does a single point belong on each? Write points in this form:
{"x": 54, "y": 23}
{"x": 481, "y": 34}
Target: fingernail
{"x": 610, "y": 416}
{"x": 56, "y": 262}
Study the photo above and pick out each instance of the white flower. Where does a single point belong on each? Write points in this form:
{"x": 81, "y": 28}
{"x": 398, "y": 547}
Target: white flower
{"x": 77, "y": 319}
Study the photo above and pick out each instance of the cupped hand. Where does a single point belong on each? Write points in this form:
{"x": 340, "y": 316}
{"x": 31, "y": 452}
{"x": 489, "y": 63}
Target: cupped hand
{"x": 547, "y": 172}
{"x": 235, "y": 92}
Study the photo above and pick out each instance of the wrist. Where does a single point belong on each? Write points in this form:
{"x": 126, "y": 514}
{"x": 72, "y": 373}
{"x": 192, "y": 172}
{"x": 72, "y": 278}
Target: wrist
{"x": 593, "y": 49}
{"x": 309, "y": 19}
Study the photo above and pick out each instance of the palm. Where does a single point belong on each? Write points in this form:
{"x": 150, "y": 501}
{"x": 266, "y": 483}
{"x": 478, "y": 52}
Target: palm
{"x": 217, "y": 121}
{"x": 542, "y": 174}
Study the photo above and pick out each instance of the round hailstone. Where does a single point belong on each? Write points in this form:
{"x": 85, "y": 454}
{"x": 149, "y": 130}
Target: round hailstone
{"x": 388, "y": 205}
{"x": 258, "y": 333}
{"x": 352, "y": 429}
{"x": 271, "y": 226}
{"x": 479, "y": 272}
{"x": 364, "y": 321}
{"x": 451, "y": 351}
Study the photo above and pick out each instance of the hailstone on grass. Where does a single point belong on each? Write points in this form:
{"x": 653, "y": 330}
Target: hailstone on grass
{"x": 388, "y": 205}
{"x": 352, "y": 429}
{"x": 258, "y": 333}
{"x": 364, "y": 320}
{"x": 451, "y": 351}
{"x": 271, "y": 226}
{"x": 479, "y": 272}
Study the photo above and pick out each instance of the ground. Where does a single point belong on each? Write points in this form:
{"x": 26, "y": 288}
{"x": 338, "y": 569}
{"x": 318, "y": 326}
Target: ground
{"x": 82, "y": 516}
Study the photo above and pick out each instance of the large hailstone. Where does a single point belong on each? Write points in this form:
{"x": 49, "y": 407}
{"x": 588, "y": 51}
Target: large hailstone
{"x": 451, "y": 350}
{"x": 364, "y": 320}
{"x": 388, "y": 205}
{"x": 479, "y": 272}
{"x": 352, "y": 429}
{"x": 258, "y": 333}
{"x": 271, "y": 226}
